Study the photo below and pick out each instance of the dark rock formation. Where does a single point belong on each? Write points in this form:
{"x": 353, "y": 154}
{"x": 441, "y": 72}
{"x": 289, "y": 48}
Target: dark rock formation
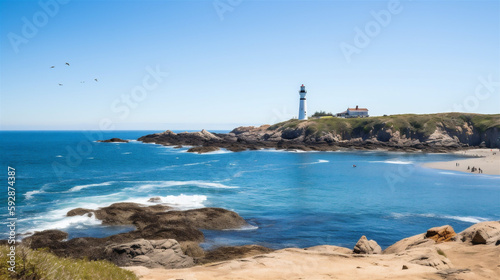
{"x": 152, "y": 223}
{"x": 47, "y": 238}
{"x": 203, "y": 149}
{"x": 234, "y": 252}
{"x": 122, "y": 213}
{"x": 205, "y": 218}
{"x": 113, "y": 140}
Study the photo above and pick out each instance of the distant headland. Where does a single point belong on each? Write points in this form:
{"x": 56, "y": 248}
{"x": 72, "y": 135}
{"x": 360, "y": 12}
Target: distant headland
{"x": 441, "y": 132}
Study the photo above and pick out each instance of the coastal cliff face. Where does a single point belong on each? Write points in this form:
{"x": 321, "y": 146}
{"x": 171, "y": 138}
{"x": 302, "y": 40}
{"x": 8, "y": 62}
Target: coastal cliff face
{"x": 433, "y": 132}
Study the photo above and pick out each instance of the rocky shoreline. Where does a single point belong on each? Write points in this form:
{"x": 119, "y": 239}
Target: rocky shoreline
{"x": 444, "y": 132}
{"x": 163, "y": 236}
{"x": 166, "y": 238}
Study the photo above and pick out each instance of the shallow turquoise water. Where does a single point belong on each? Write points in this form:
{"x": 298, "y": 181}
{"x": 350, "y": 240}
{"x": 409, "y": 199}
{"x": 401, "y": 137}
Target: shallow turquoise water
{"x": 291, "y": 199}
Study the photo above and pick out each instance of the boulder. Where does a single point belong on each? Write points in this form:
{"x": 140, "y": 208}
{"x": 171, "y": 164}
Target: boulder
{"x": 165, "y": 253}
{"x": 416, "y": 241}
{"x": 440, "y": 234}
{"x": 481, "y": 233}
{"x": 365, "y": 246}
{"x": 192, "y": 249}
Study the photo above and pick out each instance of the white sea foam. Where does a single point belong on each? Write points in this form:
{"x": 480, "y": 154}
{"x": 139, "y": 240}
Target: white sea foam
{"x": 185, "y": 201}
{"x": 395, "y": 161}
{"x": 127, "y": 153}
{"x": 245, "y": 227}
{"x": 166, "y": 184}
{"x": 57, "y": 219}
{"x": 398, "y": 162}
{"x": 81, "y": 187}
{"x": 199, "y": 163}
{"x": 467, "y": 219}
{"x": 218, "y": 152}
{"x": 316, "y": 162}
{"x": 30, "y": 194}
{"x": 448, "y": 173}
{"x": 59, "y": 156}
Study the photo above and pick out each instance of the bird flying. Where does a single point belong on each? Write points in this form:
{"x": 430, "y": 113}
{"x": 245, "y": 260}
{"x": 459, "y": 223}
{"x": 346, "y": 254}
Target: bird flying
{"x": 95, "y": 80}
{"x": 60, "y": 84}
{"x": 67, "y": 63}
{"x": 52, "y": 66}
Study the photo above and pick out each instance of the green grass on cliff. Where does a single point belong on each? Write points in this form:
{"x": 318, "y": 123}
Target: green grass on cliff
{"x": 40, "y": 264}
{"x": 409, "y": 124}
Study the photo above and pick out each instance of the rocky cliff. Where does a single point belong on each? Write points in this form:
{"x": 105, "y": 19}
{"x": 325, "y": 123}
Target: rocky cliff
{"x": 433, "y": 132}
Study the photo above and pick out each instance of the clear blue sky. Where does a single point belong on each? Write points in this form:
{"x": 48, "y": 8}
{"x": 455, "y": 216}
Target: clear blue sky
{"x": 243, "y": 68}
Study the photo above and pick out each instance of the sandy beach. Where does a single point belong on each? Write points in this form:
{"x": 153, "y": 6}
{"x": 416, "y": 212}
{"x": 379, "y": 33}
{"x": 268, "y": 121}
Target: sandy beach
{"x": 486, "y": 159}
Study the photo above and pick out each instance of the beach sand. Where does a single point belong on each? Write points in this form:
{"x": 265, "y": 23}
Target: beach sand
{"x": 331, "y": 262}
{"x": 486, "y": 159}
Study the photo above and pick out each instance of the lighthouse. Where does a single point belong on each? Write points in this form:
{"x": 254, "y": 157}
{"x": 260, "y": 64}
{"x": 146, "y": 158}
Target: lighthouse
{"x": 303, "y": 105}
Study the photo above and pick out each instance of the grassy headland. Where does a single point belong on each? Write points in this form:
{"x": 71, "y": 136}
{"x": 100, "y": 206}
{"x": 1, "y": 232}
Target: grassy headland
{"x": 421, "y": 126}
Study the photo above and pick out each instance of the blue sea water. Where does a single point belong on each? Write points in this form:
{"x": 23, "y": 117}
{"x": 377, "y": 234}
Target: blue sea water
{"x": 291, "y": 199}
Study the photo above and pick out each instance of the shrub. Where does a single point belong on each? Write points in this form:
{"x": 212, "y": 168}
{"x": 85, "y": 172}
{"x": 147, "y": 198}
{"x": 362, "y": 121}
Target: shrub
{"x": 40, "y": 264}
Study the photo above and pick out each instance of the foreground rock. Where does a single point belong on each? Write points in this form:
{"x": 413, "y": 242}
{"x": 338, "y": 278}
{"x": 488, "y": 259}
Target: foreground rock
{"x": 365, "y": 246}
{"x": 482, "y": 233}
{"x": 113, "y": 140}
{"x": 417, "y": 257}
{"x": 441, "y": 234}
{"x": 166, "y": 253}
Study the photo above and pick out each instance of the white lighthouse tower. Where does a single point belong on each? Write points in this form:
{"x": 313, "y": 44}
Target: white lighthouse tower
{"x": 303, "y": 105}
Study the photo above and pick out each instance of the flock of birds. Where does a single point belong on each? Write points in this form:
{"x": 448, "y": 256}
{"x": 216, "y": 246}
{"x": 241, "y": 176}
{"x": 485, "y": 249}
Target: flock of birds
{"x": 67, "y": 64}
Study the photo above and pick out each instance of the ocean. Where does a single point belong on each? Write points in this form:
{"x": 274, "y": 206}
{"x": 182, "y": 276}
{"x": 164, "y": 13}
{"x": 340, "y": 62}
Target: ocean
{"x": 290, "y": 199}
